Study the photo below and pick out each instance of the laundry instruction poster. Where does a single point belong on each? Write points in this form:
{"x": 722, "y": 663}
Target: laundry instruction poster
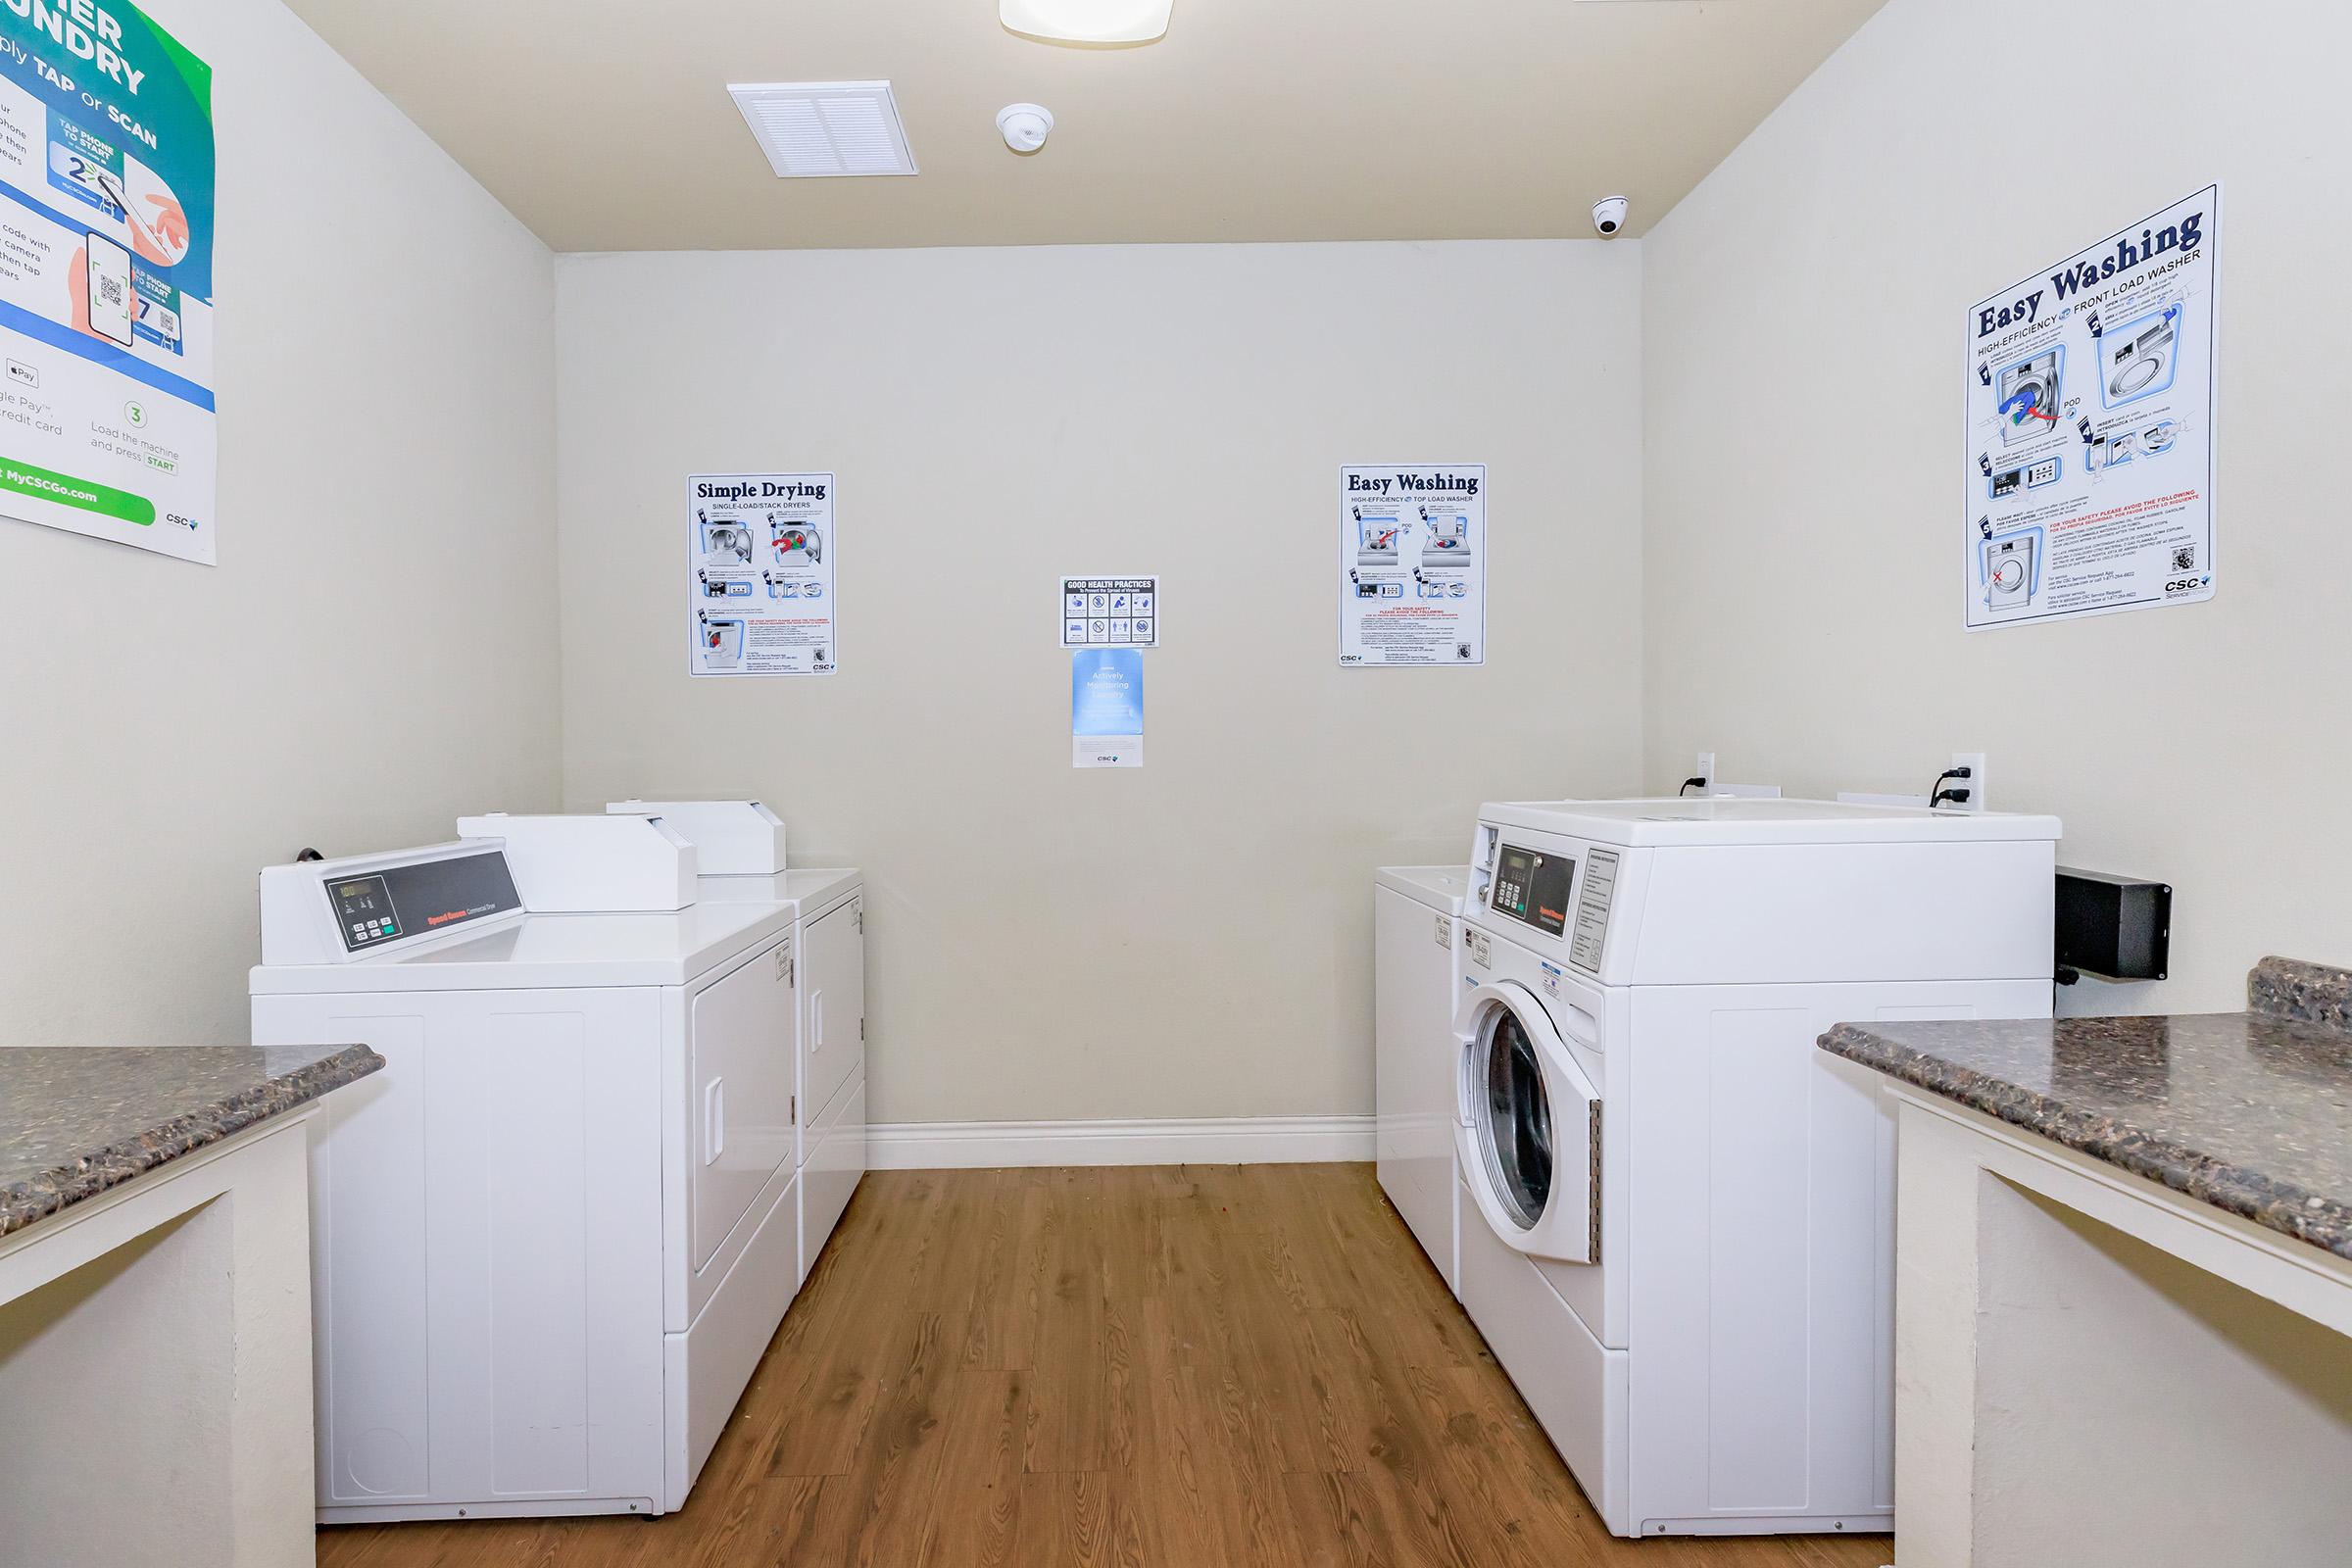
{"x": 1106, "y": 708}
{"x": 1412, "y": 571}
{"x": 759, "y": 560}
{"x": 106, "y": 277}
{"x": 2091, "y": 442}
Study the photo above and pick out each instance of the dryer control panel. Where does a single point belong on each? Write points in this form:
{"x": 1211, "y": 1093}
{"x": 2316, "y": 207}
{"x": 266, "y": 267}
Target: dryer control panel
{"x": 336, "y": 912}
{"x": 427, "y": 895}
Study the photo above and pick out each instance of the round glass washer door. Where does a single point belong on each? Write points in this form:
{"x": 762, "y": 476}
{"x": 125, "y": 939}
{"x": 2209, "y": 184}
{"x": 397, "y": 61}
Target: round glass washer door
{"x": 1513, "y": 1117}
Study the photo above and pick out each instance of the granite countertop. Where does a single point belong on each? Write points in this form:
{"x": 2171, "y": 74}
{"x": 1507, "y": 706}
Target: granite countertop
{"x": 2249, "y": 1111}
{"x": 76, "y": 1120}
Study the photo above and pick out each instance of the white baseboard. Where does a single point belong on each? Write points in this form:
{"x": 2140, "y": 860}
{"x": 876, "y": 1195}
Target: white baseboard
{"x": 1217, "y": 1140}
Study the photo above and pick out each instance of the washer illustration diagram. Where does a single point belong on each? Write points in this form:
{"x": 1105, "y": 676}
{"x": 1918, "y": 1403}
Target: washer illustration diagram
{"x": 2029, "y": 392}
{"x": 2140, "y": 358}
{"x": 1376, "y": 538}
{"x": 798, "y": 545}
{"x": 727, "y": 541}
{"x": 1449, "y": 541}
{"x": 721, "y": 643}
{"x": 2009, "y": 568}
{"x": 724, "y": 587}
{"x": 781, "y": 587}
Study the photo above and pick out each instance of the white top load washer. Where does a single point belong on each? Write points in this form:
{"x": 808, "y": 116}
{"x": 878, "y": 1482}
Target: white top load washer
{"x": 1676, "y": 1222}
{"x": 1415, "y": 912}
{"x": 553, "y": 1238}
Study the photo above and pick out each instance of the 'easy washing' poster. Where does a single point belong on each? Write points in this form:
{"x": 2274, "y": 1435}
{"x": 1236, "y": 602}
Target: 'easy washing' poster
{"x": 1413, "y": 565}
{"x": 759, "y": 557}
{"x": 2090, "y": 450}
{"x": 106, "y": 277}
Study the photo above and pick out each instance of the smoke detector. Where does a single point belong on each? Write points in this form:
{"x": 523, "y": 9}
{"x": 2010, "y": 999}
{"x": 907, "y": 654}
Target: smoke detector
{"x": 1025, "y": 127}
{"x": 826, "y": 130}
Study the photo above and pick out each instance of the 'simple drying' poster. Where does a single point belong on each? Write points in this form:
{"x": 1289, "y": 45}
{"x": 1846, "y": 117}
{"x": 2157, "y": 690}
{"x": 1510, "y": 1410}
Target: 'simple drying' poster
{"x": 759, "y": 560}
{"x": 106, "y": 277}
{"x": 2090, "y": 444}
{"x": 1413, "y": 565}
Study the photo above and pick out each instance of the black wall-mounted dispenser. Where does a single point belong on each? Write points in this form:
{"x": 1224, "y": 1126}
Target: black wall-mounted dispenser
{"x": 2112, "y": 927}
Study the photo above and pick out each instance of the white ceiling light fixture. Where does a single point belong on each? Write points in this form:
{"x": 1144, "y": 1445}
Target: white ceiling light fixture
{"x": 1100, "y": 22}
{"x": 826, "y": 130}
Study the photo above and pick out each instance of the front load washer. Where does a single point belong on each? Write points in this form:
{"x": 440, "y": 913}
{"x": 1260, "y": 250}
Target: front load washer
{"x": 553, "y": 1238}
{"x": 2029, "y": 394}
{"x": 2010, "y": 568}
{"x": 1677, "y": 1214}
{"x": 1416, "y": 910}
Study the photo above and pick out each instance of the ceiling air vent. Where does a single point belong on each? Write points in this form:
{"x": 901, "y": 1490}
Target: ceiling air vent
{"x": 815, "y": 129}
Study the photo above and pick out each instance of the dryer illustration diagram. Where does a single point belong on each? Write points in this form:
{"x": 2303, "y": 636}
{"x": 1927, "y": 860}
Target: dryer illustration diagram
{"x": 797, "y": 544}
{"x": 721, "y": 641}
{"x": 726, "y": 543}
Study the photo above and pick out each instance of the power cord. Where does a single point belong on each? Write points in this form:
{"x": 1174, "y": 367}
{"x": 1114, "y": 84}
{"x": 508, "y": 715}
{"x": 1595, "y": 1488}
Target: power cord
{"x": 1937, "y": 794}
{"x": 1701, "y": 782}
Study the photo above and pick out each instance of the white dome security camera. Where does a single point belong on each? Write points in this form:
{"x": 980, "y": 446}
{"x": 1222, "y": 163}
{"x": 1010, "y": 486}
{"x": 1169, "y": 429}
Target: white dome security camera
{"x": 1608, "y": 216}
{"x": 1025, "y": 127}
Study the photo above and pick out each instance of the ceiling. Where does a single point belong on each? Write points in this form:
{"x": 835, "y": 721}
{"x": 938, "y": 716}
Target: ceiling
{"x": 606, "y": 125}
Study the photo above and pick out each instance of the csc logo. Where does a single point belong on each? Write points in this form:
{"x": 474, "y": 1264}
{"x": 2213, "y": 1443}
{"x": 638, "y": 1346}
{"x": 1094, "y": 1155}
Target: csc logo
{"x": 2187, "y": 586}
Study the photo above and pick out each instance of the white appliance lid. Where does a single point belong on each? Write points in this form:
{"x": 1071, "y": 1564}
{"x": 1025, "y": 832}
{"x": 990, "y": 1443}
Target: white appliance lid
{"x": 1441, "y": 886}
{"x": 553, "y": 949}
{"x": 1695, "y": 820}
{"x": 811, "y": 890}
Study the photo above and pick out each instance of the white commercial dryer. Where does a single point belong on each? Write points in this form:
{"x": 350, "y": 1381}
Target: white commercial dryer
{"x": 1415, "y": 912}
{"x": 553, "y": 1238}
{"x": 829, "y": 934}
{"x": 1677, "y": 1225}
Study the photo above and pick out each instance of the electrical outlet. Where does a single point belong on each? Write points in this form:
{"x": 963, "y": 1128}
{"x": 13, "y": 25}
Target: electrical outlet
{"x": 1973, "y": 762}
{"x": 1705, "y": 772}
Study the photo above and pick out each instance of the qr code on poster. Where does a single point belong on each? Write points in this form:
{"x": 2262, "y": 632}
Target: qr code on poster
{"x": 2185, "y": 559}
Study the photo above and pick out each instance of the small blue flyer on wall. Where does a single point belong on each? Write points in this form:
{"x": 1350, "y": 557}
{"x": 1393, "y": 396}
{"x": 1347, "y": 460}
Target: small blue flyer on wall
{"x": 1106, "y": 708}
{"x": 2088, "y": 484}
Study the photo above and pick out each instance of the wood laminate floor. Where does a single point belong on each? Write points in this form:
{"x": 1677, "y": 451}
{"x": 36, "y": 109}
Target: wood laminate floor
{"x": 1194, "y": 1366}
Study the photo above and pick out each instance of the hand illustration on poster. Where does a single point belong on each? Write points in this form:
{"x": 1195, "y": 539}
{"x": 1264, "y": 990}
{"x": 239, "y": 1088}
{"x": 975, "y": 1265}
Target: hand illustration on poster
{"x": 2090, "y": 429}
{"x": 760, "y": 562}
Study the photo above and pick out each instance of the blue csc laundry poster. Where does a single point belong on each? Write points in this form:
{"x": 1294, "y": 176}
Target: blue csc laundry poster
{"x": 106, "y": 284}
{"x": 1106, "y": 708}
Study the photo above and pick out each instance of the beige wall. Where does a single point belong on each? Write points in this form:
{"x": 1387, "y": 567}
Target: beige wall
{"x": 1192, "y": 939}
{"x": 375, "y": 651}
{"x": 1804, "y": 335}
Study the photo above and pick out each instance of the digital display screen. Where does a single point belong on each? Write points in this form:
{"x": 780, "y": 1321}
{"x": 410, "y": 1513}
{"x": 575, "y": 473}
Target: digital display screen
{"x": 1532, "y": 887}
